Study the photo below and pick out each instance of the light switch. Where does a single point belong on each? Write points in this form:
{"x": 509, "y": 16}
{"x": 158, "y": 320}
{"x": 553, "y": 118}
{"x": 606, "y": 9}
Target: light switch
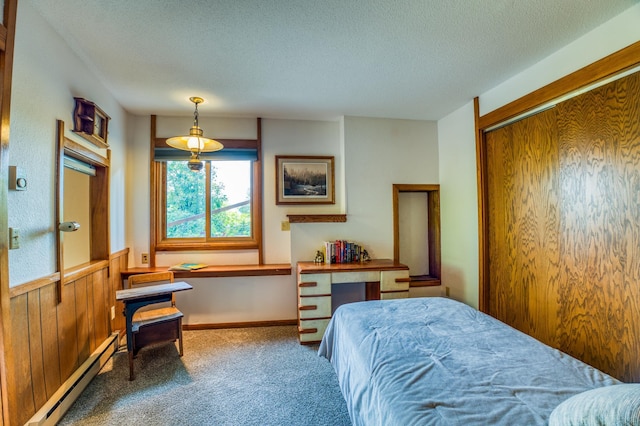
{"x": 14, "y": 238}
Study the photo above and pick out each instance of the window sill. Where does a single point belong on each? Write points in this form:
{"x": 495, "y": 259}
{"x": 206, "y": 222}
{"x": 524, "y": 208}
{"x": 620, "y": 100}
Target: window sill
{"x": 217, "y": 271}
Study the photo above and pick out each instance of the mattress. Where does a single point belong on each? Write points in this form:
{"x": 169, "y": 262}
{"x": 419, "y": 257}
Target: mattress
{"x": 435, "y": 361}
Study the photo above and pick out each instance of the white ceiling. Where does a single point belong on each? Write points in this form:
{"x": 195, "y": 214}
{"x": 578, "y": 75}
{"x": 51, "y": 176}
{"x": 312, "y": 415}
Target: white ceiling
{"x": 315, "y": 59}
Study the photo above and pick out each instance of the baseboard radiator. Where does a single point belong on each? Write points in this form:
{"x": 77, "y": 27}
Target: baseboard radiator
{"x": 59, "y": 403}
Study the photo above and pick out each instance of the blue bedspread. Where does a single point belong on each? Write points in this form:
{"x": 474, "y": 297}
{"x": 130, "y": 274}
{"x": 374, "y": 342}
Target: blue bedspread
{"x": 435, "y": 361}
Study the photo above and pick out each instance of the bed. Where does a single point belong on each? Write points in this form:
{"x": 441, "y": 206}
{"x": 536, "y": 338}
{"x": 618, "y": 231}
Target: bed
{"x": 432, "y": 361}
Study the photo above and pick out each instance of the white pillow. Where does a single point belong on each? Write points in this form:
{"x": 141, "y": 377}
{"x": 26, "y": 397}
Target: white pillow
{"x": 617, "y": 405}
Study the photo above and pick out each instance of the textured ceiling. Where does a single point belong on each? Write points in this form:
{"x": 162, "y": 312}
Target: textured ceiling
{"x": 414, "y": 59}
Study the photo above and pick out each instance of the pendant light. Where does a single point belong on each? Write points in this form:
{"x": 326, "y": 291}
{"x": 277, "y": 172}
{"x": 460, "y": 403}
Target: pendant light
{"x": 195, "y": 142}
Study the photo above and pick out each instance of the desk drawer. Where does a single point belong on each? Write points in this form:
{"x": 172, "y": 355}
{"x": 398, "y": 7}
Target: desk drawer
{"x": 355, "y": 277}
{"x": 394, "y": 280}
{"x": 312, "y": 330}
{"x": 314, "y": 307}
{"x": 312, "y": 284}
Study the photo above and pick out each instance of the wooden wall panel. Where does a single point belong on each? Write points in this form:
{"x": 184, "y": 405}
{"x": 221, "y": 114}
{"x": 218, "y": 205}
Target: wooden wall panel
{"x": 67, "y": 329}
{"x": 21, "y": 401}
{"x": 50, "y": 340}
{"x": 35, "y": 348}
{"x": 81, "y": 319}
{"x": 101, "y": 303}
{"x": 91, "y": 314}
{"x": 51, "y": 356}
{"x": 117, "y": 264}
{"x": 564, "y": 226}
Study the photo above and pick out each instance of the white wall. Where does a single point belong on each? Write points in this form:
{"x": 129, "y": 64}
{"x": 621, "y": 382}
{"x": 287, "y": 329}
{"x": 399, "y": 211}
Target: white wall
{"x": 459, "y": 205}
{"x": 377, "y": 154}
{"x": 365, "y": 172}
{"x": 46, "y": 77}
{"x": 457, "y": 145}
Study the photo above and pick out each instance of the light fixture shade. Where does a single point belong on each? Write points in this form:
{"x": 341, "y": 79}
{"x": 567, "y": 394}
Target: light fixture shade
{"x": 195, "y": 142}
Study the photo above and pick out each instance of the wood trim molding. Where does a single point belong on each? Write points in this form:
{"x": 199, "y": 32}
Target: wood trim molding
{"x": 82, "y": 153}
{"x": 228, "y": 143}
{"x": 7, "y": 385}
{"x": 34, "y": 284}
{"x": 3, "y": 37}
{"x": 154, "y": 174}
{"x": 116, "y": 254}
{"x": 317, "y": 218}
{"x": 59, "y": 214}
{"x": 83, "y": 270}
{"x": 258, "y": 191}
{"x": 224, "y": 325}
{"x": 483, "y": 225}
{"x": 433, "y": 205}
{"x": 606, "y": 67}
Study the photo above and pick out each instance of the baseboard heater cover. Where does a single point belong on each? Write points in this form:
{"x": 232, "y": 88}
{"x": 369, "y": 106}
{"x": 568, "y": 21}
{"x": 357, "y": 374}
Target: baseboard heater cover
{"x": 61, "y": 400}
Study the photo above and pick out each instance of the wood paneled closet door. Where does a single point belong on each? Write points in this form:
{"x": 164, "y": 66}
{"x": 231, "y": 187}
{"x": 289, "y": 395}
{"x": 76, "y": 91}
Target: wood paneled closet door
{"x": 564, "y": 226}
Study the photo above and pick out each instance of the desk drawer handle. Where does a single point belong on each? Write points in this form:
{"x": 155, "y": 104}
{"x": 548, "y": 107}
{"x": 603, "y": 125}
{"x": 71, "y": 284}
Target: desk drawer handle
{"x": 307, "y": 330}
{"x": 403, "y": 280}
{"x": 308, "y": 307}
{"x": 308, "y": 284}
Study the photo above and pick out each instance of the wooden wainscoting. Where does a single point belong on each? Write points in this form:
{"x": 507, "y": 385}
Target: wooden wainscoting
{"x": 51, "y": 340}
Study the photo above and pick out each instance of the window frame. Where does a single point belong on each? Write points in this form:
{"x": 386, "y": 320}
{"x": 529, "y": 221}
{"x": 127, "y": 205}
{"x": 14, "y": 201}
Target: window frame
{"x": 158, "y": 239}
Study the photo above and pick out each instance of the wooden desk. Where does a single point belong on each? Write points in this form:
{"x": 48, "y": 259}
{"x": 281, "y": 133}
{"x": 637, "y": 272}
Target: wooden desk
{"x": 383, "y": 279}
{"x": 136, "y": 298}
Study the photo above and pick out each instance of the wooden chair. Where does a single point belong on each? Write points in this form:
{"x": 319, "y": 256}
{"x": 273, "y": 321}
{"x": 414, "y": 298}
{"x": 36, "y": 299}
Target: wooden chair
{"x": 156, "y": 325}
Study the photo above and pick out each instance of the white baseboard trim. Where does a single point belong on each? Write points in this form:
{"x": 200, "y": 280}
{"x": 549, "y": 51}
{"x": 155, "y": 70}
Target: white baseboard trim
{"x": 59, "y": 403}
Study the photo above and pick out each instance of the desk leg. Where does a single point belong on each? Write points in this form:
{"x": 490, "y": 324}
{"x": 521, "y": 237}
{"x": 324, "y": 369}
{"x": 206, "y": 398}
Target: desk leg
{"x": 372, "y": 290}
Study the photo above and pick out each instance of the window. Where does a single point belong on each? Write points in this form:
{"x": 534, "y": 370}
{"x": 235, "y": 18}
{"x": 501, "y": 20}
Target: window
{"x": 224, "y": 186}
{"x": 217, "y": 208}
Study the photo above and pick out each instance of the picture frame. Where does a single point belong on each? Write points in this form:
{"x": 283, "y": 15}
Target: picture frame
{"x": 305, "y": 179}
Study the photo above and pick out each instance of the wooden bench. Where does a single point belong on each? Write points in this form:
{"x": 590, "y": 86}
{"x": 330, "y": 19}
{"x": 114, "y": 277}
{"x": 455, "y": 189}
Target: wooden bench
{"x": 152, "y": 326}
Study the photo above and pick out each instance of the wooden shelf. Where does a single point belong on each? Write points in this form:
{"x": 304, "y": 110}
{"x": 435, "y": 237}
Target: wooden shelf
{"x": 219, "y": 271}
{"x": 316, "y": 218}
{"x": 424, "y": 281}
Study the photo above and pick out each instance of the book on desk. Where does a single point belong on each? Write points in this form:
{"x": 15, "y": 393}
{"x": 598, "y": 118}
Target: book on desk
{"x": 187, "y": 266}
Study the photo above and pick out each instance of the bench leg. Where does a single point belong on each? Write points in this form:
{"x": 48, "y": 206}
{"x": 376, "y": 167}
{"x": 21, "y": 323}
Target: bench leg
{"x": 131, "y": 376}
{"x": 180, "y": 336}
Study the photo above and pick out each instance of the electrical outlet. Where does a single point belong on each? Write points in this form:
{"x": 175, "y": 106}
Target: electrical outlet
{"x": 145, "y": 258}
{"x": 285, "y": 225}
{"x": 113, "y": 313}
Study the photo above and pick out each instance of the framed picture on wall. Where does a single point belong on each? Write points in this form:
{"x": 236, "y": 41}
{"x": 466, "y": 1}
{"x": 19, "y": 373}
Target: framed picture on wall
{"x": 304, "y": 180}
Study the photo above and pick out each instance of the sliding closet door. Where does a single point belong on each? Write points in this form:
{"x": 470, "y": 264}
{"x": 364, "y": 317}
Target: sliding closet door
{"x": 564, "y": 226}
{"x": 522, "y": 164}
{"x": 600, "y": 219}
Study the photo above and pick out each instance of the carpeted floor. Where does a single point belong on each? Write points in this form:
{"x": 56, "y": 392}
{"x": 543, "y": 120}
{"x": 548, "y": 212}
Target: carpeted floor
{"x": 250, "y": 376}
